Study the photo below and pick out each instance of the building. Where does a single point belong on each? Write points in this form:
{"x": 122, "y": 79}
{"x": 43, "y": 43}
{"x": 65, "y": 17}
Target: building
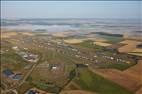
{"x": 17, "y": 77}
{"x": 29, "y": 56}
{"x": 8, "y": 72}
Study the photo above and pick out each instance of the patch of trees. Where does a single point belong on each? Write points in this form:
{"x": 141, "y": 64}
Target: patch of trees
{"x": 108, "y": 34}
{"x": 139, "y": 46}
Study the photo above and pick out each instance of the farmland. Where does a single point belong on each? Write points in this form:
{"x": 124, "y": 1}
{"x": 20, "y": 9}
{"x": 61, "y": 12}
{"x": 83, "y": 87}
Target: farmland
{"x": 93, "y": 82}
{"x": 55, "y": 64}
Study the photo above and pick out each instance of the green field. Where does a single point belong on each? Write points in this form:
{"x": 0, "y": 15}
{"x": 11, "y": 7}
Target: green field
{"x": 119, "y": 66}
{"x": 93, "y": 82}
{"x": 87, "y": 44}
{"x": 13, "y": 61}
{"x": 110, "y": 39}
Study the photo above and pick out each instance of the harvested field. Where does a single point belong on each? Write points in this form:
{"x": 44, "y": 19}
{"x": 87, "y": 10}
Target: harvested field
{"x": 135, "y": 53}
{"x": 61, "y": 34}
{"x": 90, "y": 81}
{"x": 135, "y": 71}
{"x": 130, "y": 42}
{"x": 130, "y": 46}
{"x": 8, "y": 34}
{"x": 139, "y": 91}
{"x": 102, "y": 44}
{"x": 27, "y": 33}
{"x": 76, "y": 92}
{"x": 73, "y": 41}
{"x": 116, "y": 46}
{"x": 97, "y": 39}
{"x": 139, "y": 50}
{"x": 120, "y": 78}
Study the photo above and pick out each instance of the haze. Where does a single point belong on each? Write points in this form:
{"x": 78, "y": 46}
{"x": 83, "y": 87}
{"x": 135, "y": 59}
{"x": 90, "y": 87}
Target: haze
{"x": 70, "y": 9}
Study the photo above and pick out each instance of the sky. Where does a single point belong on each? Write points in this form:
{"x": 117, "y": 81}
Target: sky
{"x": 71, "y": 9}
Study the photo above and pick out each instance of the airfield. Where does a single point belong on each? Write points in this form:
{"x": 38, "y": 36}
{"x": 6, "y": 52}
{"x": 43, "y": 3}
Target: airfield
{"x": 67, "y": 63}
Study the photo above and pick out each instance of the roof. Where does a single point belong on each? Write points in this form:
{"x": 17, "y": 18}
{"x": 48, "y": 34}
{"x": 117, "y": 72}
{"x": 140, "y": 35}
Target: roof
{"x": 17, "y": 77}
{"x": 33, "y": 92}
{"x": 7, "y": 72}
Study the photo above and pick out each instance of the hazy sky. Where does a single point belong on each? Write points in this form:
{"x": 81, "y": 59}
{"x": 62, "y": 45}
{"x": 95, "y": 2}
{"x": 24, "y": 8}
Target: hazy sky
{"x": 71, "y": 9}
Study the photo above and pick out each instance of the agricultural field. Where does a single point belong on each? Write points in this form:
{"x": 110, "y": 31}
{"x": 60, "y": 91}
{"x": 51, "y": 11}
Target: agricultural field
{"x": 93, "y": 82}
{"x": 52, "y": 64}
{"x": 135, "y": 71}
{"x": 120, "y": 78}
{"x": 82, "y": 47}
{"x": 102, "y": 44}
{"x": 110, "y": 37}
{"x": 130, "y": 45}
{"x": 73, "y": 41}
{"x": 76, "y": 92}
{"x": 8, "y": 34}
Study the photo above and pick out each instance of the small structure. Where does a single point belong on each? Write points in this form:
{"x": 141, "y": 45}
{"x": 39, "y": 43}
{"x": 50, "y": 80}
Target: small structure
{"x": 17, "y": 77}
{"x": 10, "y": 74}
{"x": 81, "y": 65}
{"x": 29, "y": 56}
{"x": 54, "y": 66}
{"x": 15, "y": 48}
{"x": 33, "y": 92}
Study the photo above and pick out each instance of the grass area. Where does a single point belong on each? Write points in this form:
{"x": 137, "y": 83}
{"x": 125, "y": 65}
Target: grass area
{"x": 13, "y": 61}
{"x": 47, "y": 87}
{"x": 93, "y": 82}
{"x": 119, "y": 66}
{"x": 86, "y": 44}
{"x": 42, "y": 84}
{"x": 111, "y": 39}
{"x": 24, "y": 88}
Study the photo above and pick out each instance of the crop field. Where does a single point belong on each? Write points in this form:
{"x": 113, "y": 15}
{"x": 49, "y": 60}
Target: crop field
{"x": 121, "y": 78}
{"x": 139, "y": 50}
{"x": 139, "y": 91}
{"x": 130, "y": 45}
{"x": 102, "y": 44}
{"x": 57, "y": 71}
{"x": 73, "y": 41}
{"x": 82, "y": 47}
{"x": 93, "y": 82}
{"x": 110, "y": 39}
{"x": 76, "y": 92}
{"x": 121, "y": 66}
{"x": 61, "y": 34}
{"x": 135, "y": 71}
{"x": 8, "y": 34}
